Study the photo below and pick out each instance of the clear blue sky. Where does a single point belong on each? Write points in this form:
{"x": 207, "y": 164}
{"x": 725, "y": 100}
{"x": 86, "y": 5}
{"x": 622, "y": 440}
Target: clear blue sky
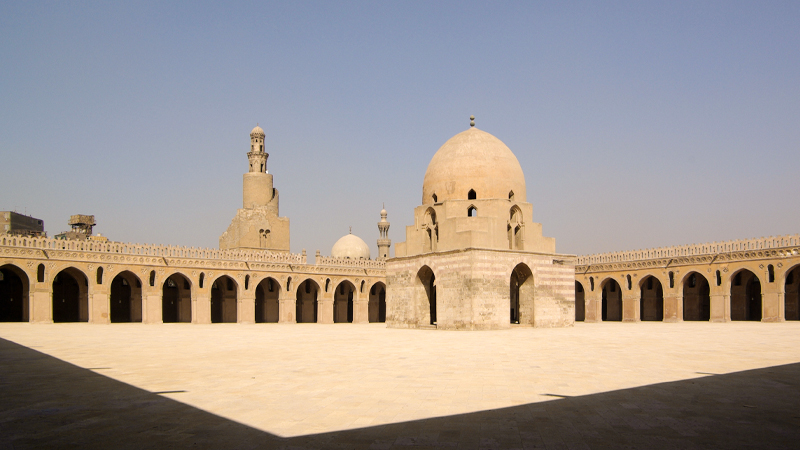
{"x": 638, "y": 124}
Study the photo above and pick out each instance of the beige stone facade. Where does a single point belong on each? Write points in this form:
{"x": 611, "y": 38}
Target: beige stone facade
{"x": 749, "y": 279}
{"x": 84, "y": 281}
{"x": 474, "y": 259}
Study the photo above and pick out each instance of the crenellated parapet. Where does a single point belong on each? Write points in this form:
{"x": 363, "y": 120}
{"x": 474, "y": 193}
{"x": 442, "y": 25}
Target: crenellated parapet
{"x": 331, "y": 261}
{"x": 148, "y": 250}
{"x": 765, "y": 247}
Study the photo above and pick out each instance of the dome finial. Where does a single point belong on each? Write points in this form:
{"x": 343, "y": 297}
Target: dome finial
{"x": 351, "y": 230}
{"x": 472, "y": 121}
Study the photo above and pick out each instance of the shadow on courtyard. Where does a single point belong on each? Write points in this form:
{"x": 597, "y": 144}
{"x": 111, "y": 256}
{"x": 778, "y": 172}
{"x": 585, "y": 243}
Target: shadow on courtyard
{"x": 48, "y": 403}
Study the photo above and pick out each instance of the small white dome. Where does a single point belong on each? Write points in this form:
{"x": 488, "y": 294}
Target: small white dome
{"x": 257, "y": 131}
{"x": 350, "y": 246}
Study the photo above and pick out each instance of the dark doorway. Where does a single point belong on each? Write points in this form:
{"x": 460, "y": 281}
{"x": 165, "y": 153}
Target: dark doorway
{"x": 377, "y": 302}
{"x": 343, "y": 303}
{"x": 126, "y": 298}
{"x": 428, "y": 281}
{"x": 176, "y": 299}
{"x": 696, "y": 298}
{"x": 13, "y": 294}
{"x": 70, "y": 296}
{"x": 267, "y": 306}
{"x": 223, "y": 300}
{"x": 651, "y": 301}
{"x": 580, "y": 302}
{"x": 791, "y": 294}
{"x": 612, "y": 302}
{"x": 307, "y": 304}
{"x": 745, "y": 296}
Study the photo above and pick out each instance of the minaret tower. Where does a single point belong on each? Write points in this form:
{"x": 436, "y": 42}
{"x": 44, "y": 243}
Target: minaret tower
{"x": 257, "y": 226}
{"x": 257, "y": 183}
{"x": 383, "y": 242}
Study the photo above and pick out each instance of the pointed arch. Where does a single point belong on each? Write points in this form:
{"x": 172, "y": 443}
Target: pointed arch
{"x": 431, "y": 228}
{"x": 176, "y": 299}
{"x": 514, "y": 228}
{"x": 377, "y": 302}
{"x": 426, "y": 311}
{"x": 70, "y": 296}
{"x": 696, "y": 297}
{"x": 611, "y": 300}
{"x": 343, "y": 298}
{"x": 224, "y": 299}
{"x": 14, "y": 294}
{"x": 791, "y": 296}
{"x": 580, "y": 302}
{"x": 651, "y": 300}
{"x": 521, "y": 294}
{"x": 125, "y": 298}
{"x": 267, "y": 301}
{"x": 745, "y": 295}
{"x": 306, "y": 304}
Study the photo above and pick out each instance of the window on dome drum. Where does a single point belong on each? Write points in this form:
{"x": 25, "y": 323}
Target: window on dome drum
{"x": 472, "y": 195}
{"x": 472, "y": 211}
{"x": 511, "y": 195}
{"x": 434, "y": 198}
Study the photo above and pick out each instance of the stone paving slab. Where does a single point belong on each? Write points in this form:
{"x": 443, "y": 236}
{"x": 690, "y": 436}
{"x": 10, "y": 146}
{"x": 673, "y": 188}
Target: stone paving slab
{"x": 607, "y": 385}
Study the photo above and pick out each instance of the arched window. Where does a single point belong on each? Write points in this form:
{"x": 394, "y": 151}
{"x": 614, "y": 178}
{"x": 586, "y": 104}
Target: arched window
{"x": 40, "y": 273}
{"x": 629, "y": 282}
{"x": 591, "y": 283}
{"x": 472, "y": 195}
{"x": 719, "y": 279}
{"x": 246, "y": 282}
{"x": 435, "y": 199}
{"x": 152, "y": 278}
{"x": 671, "y": 280}
{"x": 511, "y": 195}
{"x": 288, "y": 283}
{"x": 771, "y": 273}
{"x": 202, "y": 278}
{"x": 472, "y": 211}
{"x": 99, "y": 275}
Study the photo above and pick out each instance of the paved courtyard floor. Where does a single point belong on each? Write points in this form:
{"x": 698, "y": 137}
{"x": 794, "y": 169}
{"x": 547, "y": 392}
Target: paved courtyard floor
{"x": 607, "y": 385}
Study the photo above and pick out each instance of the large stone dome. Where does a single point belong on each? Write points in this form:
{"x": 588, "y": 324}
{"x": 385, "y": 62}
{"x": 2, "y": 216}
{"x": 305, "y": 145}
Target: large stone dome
{"x": 473, "y": 160}
{"x": 350, "y": 246}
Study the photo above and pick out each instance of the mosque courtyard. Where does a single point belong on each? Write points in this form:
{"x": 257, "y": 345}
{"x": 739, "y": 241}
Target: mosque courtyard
{"x": 595, "y": 385}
